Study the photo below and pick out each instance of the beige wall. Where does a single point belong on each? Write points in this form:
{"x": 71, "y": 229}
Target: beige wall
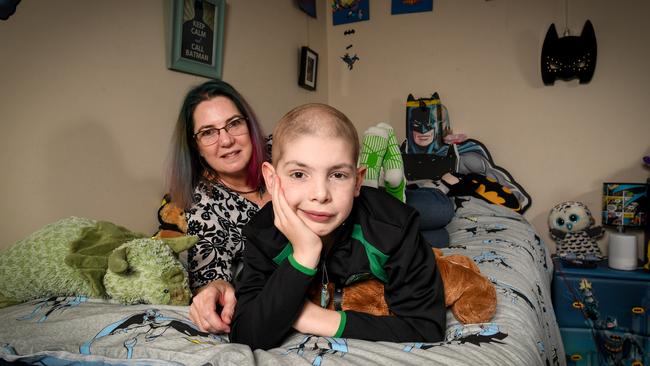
{"x": 561, "y": 142}
{"x": 87, "y": 104}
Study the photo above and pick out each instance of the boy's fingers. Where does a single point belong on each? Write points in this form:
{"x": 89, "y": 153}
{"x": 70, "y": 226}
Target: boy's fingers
{"x": 277, "y": 210}
{"x": 287, "y": 212}
{"x": 274, "y": 197}
{"x": 281, "y": 203}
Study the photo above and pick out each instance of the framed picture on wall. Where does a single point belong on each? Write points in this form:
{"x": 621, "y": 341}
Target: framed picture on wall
{"x": 403, "y": 7}
{"x": 349, "y": 11}
{"x": 197, "y": 37}
{"x": 308, "y": 68}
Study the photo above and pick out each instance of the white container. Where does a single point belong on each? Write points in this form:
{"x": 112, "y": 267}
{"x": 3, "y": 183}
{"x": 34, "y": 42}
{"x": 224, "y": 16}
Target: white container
{"x": 623, "y": 252}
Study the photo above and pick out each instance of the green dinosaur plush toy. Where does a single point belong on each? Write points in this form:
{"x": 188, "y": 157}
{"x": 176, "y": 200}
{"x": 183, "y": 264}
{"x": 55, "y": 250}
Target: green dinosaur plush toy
{"x": 79, "y": 256}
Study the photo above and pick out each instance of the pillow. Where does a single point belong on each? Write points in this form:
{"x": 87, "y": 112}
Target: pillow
{"x": 485, "y": 188}
{"x": 474, "y": 157}
{"x": 34, "y": 266}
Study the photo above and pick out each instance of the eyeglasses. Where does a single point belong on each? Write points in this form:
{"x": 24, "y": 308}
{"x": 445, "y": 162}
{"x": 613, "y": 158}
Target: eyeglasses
{"x": 235, "y": 127}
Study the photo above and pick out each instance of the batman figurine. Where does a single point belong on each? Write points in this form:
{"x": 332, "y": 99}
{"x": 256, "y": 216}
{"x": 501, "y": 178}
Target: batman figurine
{"x": 569, "y": 57}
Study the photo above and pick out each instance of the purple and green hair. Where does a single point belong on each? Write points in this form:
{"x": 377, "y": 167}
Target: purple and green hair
{"x": 187, "y": 165}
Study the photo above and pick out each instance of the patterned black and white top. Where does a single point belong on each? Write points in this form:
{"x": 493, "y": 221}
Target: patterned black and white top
{"x": 217, "y": 217}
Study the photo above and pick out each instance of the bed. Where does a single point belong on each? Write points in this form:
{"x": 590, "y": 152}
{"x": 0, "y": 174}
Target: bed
{"x": 65, "y": 330}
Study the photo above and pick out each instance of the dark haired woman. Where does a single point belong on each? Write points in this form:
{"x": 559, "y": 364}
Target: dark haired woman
{"x": 215, "y": 176}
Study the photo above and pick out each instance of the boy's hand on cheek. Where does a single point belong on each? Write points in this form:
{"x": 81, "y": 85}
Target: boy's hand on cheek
{"x": 306, "y": 244}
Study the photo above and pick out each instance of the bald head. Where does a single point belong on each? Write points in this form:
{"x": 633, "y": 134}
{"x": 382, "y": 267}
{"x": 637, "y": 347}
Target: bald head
{"x": 313, "y": 119}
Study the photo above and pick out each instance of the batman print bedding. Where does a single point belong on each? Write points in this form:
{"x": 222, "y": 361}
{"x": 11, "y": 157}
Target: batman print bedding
{"x": 67, "y": 330}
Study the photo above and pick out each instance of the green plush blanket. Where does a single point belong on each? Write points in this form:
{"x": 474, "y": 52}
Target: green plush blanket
{"x": 63, "y": 258}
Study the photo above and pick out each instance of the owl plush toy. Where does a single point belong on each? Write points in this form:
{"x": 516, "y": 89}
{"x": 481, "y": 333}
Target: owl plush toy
{"x": 571, "y": 225}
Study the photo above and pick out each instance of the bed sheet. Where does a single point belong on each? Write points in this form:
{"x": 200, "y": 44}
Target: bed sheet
{"x": 506, "y": 248}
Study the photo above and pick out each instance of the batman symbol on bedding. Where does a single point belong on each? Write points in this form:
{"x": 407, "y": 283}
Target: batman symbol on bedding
{"x": 45, "y": 307}
{"x": 569, "y": 57}
{"x": 148, "y": 325}
{"x": 330, "y": 346}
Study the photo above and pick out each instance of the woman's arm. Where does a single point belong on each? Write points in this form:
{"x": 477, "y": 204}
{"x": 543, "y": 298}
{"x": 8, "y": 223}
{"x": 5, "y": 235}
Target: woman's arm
{"x": 217, "y": 223}
{"x": 204, "y": 312}
{"x": 210, "y": 261}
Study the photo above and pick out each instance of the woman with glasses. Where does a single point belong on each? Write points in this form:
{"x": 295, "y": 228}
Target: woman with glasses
{"x": 215, "y": 175}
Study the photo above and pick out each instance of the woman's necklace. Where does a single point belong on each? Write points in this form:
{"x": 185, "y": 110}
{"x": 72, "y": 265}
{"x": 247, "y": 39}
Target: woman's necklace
{"x": 236, "y": 191}
{"x": 230, "y": 188}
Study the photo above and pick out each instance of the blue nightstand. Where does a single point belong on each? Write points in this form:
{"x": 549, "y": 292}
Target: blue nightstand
{"x": 603, "y": 314}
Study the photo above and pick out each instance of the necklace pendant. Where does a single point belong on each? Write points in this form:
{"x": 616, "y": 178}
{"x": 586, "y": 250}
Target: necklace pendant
{"x": 324, "y": 296}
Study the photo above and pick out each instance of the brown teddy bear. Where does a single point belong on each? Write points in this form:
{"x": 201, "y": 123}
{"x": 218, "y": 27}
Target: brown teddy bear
{"x": 471, "y": 297}
{"x": 171, "y": 218}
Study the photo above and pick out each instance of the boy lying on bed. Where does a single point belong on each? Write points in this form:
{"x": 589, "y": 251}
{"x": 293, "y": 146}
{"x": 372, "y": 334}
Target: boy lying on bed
{"x": 322, "y": 227}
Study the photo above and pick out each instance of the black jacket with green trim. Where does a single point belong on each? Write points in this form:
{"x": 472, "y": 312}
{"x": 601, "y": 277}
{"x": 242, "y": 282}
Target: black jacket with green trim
{"x": 380, "y": 238}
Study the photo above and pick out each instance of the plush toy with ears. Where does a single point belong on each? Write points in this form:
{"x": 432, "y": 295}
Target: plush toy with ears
{"x": 78, "y": 256}
{"x": 171, "y": 219}
{"x": 572, "y": 226}
{"x": 470, "y": 296}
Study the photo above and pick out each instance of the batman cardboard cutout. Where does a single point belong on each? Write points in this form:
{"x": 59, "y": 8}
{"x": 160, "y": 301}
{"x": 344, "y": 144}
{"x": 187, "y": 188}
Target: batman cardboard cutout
{"x": 569, "y": 57}
{"x": 427, "y": 122}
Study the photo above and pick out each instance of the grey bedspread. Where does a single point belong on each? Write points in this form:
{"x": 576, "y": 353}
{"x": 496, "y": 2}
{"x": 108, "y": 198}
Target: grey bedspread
{"x": 506, "y": 248}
